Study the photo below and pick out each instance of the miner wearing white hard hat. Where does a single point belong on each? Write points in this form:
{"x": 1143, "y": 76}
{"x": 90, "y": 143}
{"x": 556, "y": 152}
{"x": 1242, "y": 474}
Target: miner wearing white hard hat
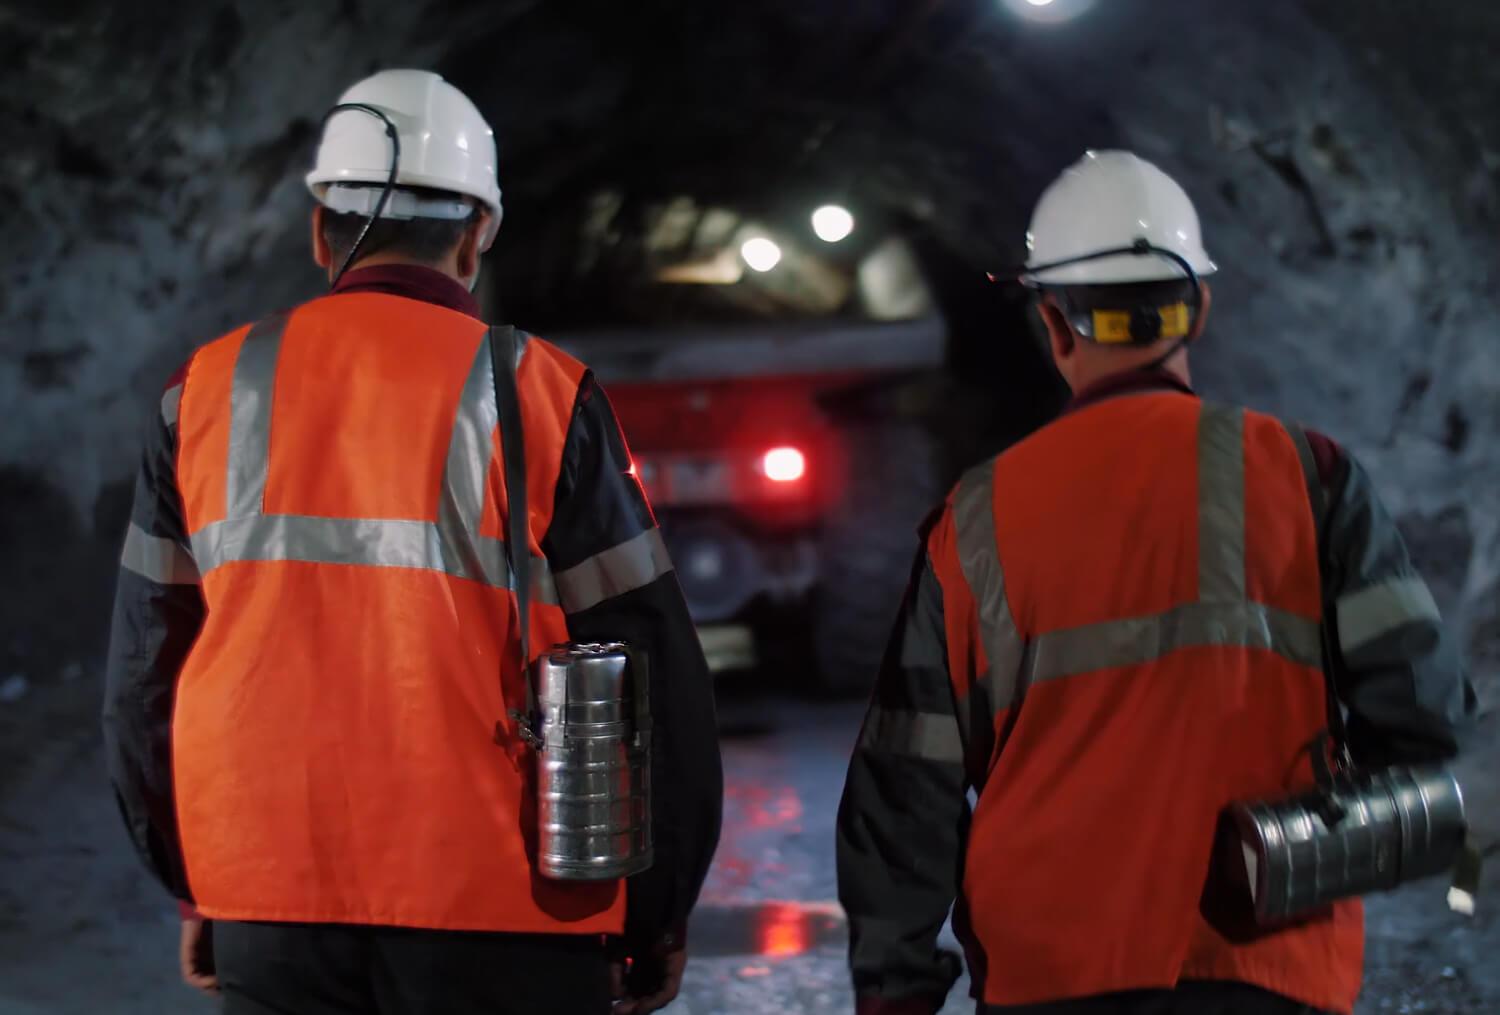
{"x": 356, "y": 525}
{"x": 1116, "y": 629}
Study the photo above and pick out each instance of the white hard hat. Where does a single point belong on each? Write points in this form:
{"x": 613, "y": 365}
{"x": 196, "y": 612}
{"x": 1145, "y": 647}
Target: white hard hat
{"x": 1105, "y": 201}
{"x": 445, "y": 145}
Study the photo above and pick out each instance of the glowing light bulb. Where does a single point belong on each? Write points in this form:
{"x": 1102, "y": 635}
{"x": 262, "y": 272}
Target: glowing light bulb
{"x": 832, "y": 223}
{"x": 760, "y": 253}
{"x": 1050, "y": 12}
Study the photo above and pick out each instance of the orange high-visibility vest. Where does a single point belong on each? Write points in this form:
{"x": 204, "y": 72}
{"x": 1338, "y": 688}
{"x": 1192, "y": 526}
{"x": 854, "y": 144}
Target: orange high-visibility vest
{"x": 335, "y": 747}
{"x": 1140, "y": 638}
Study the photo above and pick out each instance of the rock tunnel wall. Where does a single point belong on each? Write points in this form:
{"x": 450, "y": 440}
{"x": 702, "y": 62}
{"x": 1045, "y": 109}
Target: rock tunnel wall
{"x": 155, "y": 200}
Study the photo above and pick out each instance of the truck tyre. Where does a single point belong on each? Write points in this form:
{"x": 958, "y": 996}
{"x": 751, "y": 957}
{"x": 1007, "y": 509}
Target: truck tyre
{"x": 868, "y": 545}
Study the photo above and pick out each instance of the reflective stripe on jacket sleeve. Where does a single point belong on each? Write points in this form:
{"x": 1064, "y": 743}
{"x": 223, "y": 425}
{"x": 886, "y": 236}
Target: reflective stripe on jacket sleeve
{"x": 903, "y": 820}
{"x": 624, "y": 567}
{"x": 1395, "y": 663}
{"x": 603, "y": 541}
{"x": 158, "y": 558}
{"x": 616, "y": 583}
{"x": 158, "y": 612}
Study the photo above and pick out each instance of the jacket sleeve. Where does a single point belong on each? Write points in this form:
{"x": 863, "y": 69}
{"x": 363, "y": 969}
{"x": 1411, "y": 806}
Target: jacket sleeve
{"x": 1395, "y": 665}
{"x": 903, "y": 820}
{"x": 157, "y": 615}
{"x": 616, "y": 583}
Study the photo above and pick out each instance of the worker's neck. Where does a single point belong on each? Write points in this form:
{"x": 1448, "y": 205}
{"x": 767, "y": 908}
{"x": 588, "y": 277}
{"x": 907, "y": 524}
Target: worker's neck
{"x": 1092, "y": 370}
{"x": 448, "y": 267}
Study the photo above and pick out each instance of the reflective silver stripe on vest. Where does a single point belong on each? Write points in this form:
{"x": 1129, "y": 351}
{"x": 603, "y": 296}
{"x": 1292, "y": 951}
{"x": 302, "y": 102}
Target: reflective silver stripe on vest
{"x": 979, "y": 559}
{"x": 470, "y": 450}
{"x": 451, "y": 545}
{"x": 1381, "y": 609}
{"x": 1223, "y": 616}
{"x": 368, "y": 542}
{"x": 1137, "y": 640}
{"x": 371, "y": 542}
{"x": 163, "y": 561}
{"x": 633, "y": 564}
{"x": 170, "y": 402}
{"x": 250, "y": 418}
{"x": 1221, "y": 505}
{"x": 915, "y": 734}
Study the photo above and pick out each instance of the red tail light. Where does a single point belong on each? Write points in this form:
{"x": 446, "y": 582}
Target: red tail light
{"x": 784, "y": 465}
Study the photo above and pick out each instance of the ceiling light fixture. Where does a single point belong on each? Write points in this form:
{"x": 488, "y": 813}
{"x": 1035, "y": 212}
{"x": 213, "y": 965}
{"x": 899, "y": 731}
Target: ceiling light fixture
{"x": 832, "y": 223}
{"x": 760, "y": 253}
{"x": 1049, "y": 12}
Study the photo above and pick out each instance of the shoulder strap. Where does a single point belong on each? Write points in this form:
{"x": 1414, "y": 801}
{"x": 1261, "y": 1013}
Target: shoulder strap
{"x": 1310, "y": 475}
{"x": 505, "y": 350}
{"x": 1318, "y": 497}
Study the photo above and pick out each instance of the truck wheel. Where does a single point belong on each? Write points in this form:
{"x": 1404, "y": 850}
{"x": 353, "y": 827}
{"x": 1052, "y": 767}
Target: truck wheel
{"x": 869, "y": 543}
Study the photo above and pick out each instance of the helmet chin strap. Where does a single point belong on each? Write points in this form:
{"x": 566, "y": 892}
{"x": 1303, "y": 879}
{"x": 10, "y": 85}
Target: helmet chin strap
{"x": 1185, "y": 340}
{"x": 390, "y": 183}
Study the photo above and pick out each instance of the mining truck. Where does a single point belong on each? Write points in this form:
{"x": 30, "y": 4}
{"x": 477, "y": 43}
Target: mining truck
{"x": 788, "y": 474}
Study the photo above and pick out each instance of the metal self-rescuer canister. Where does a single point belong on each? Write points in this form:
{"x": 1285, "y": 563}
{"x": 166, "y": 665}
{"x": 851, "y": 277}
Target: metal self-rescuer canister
{"x": 1375, "y": 831}
{"x": 1368, "y": 831}
{"x": 593, "y": 746}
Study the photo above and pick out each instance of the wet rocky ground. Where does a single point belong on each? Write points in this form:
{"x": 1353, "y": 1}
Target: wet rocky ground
{"x": 83, "y": 930}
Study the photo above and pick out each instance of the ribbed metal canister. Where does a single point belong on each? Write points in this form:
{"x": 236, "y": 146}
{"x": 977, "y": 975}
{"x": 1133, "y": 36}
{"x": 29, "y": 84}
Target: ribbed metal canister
{"x": 593, "y": 763}
{"x": 1374, "y": 831}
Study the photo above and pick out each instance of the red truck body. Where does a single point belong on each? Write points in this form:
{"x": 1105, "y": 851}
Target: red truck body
{"x": 703, "y": 443}
{"x": 750, "y": 466}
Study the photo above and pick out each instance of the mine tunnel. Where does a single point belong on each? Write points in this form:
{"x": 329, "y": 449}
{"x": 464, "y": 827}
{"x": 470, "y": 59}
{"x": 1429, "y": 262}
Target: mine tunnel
{"x": 788, "y": 241}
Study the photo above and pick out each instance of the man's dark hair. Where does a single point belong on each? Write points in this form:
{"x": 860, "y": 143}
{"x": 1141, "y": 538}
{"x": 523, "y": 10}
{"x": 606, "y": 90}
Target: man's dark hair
{"x": 424, "y": 240}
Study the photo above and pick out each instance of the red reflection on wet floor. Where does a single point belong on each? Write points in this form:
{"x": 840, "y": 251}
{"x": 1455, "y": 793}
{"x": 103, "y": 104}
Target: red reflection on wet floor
{"x": 757, "y": 819}
{"x": 781, "y": 930}
{"x": 770, "y": 807}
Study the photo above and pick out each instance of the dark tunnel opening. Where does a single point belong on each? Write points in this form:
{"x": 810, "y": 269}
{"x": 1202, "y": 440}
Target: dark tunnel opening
{"x": 994, "y": 361}
{"x": 911, "y": 363}
{"x": 734, "y": 126}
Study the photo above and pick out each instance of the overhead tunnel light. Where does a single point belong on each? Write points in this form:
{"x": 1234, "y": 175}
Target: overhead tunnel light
{"x": 760, "y": 253}
{"x": 832, "y": 223}
{"x": 1050, "y": 12}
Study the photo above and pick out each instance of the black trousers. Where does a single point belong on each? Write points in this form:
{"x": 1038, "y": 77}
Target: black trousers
{"x": 1193, "y": 998}
{"x": 324, "y": 969}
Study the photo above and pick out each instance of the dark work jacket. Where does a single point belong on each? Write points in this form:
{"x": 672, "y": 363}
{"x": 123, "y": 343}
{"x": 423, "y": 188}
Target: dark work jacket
{"x": 159, "y": 611}
{"x": 1396, "y": 668}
